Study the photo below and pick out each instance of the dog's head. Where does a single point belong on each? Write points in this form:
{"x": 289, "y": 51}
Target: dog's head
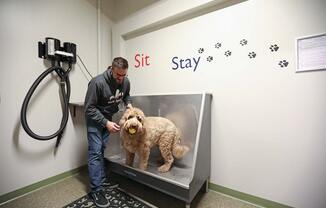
{"x": 132, "y": 121}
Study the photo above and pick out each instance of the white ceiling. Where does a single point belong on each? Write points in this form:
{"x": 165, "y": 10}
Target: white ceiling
{"x": 117, "y": 10}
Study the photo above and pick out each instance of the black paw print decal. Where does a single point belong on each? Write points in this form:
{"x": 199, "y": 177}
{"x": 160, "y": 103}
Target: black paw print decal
{"x": 227, "y": 53}
{"x": 243, "y": 42}
{"x": 283, "y": 63}
{"x": 209, "y": 58}
{"x": 252, "y": 55}
{"x": 201, "y": 50}
{"x": 218, "y": 45}
{"x": 274, "y": 48}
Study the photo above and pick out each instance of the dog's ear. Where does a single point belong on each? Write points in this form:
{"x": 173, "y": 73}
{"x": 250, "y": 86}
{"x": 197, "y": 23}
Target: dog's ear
{"x": 139, "y": 112}
{"x": 143, "y": 130}
{"x": 124, "y": 117}
{"x": 122, "y": 121}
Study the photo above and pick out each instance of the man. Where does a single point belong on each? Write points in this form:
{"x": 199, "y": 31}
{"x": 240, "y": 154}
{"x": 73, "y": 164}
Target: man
{"x": 105, "y": 92}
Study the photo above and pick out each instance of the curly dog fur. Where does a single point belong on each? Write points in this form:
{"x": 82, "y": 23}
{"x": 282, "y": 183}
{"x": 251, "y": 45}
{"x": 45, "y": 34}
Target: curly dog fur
{"x": 146, "y": 133}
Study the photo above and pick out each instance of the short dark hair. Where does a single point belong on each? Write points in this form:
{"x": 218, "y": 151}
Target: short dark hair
{"x": 120, "y": 62}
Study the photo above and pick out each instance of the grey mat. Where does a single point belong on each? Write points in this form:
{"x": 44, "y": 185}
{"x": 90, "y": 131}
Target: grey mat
{"x": 116, "y": 198}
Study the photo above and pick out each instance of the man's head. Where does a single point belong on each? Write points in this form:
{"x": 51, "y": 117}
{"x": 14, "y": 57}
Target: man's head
{"x": 119, "y": 69}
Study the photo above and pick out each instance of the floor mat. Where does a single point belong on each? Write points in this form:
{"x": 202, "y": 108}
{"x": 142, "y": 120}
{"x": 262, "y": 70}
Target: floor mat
{"x": 116, "y": 197}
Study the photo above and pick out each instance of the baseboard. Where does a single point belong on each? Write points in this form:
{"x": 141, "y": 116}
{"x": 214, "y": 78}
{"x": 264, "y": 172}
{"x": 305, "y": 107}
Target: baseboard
{"x": 247, "y": 197}
{"x": 27, "y": 189}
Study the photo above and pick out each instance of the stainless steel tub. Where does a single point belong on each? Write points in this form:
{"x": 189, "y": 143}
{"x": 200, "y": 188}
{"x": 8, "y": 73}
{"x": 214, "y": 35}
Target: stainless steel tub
{"x": 192, "y": 115}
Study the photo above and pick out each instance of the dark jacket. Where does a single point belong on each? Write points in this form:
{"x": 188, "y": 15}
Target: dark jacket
{"x": 103, "y": 97}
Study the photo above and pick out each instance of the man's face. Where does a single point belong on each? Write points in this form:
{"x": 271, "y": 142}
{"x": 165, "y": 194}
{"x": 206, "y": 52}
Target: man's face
{"x": 118, "y": 74}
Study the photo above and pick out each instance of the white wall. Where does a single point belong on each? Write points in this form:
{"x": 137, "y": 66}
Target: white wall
{"x": 268, "y": 122}
{"x": 116, "y": 10}
{"x": 150, "y": 15}
{"x": 22, "y": 24}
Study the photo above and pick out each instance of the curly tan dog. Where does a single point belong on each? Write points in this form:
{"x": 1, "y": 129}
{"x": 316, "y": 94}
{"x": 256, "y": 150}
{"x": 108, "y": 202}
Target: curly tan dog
{"x": 139, "y": 134}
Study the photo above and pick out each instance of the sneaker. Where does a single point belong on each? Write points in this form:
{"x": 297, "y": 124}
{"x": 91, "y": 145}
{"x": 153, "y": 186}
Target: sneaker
{"x": 99, "y": 199}
{"x": 109, "y": 184}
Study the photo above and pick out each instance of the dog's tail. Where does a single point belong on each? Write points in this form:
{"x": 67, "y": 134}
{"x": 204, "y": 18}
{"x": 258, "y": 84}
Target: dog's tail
{"x": 179, "y": 150}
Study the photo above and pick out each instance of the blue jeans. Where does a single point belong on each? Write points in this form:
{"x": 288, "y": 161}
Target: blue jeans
{"x": 97, "y": 136}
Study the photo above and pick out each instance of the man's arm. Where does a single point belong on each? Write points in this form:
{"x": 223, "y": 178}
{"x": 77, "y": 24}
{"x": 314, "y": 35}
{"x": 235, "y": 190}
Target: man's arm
{"x": 91, "y": 111}
{"x": 127, "y": 99}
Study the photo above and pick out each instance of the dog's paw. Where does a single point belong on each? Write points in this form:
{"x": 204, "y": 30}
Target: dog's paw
{"x": 252, "y": 55}
{"x": 201, "y": 50}
{"x": 218, "y": 45}
{"x": 243, "y": 42}
{"x": 209, "y": 58}
{"x": 142, "y": 167}
{"x": 228, "y": 53}
{"x": 164, "y": 168}
{"x": 283, "y": 63}
{"x": 274, "y": 48}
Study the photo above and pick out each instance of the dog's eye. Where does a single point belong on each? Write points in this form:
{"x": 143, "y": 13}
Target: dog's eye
{"x": 139, "y": 118}
{"x": 130, "y": 117}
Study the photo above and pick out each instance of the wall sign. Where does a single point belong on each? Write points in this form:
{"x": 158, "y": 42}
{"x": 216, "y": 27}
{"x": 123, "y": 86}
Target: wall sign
{"x": 311, "y": 53}
{"x": 142, "y": 60}
{"x": 192, "y": 63}
{"x": 311, "y": 50}
{"x": 185, "y": 63}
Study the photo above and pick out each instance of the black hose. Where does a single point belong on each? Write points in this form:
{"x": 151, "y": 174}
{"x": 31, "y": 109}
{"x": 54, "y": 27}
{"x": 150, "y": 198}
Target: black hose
{"x": 64, "y": 81}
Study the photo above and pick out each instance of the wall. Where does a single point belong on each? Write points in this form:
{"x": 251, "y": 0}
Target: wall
{"x": 116, "y": 10}
{"x": 23, "y": 23}
{"x": 268, "y": 122}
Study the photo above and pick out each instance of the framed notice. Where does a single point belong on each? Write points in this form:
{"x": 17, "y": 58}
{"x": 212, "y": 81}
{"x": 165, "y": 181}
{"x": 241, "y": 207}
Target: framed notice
{"x": 311, "y": 53}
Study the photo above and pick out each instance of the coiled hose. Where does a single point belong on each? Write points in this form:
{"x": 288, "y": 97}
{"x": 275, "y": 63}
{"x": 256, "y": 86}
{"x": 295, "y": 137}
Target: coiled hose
{"x": 64, "y": 81}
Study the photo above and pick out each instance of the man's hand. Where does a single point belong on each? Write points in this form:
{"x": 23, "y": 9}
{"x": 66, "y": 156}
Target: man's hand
{"x": 129, "y": 106}
{"x": 112, "y": 127}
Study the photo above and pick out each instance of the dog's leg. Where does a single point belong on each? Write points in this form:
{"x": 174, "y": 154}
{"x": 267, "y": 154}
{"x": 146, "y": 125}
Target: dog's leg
{"x": 129, "y": 158}
{"x": 143, "y": 158}
{"x": 166, "y": 152}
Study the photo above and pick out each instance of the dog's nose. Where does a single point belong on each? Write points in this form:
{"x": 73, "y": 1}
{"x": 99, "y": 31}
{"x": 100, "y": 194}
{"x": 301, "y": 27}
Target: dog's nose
{"x": 133, "y": 126}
